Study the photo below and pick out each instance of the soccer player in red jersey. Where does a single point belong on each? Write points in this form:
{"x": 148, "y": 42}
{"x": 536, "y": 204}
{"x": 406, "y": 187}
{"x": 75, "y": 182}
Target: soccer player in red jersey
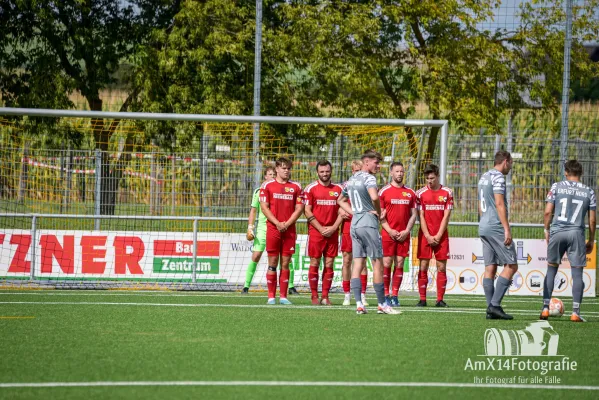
{"x": 398, "y": 205}
{"x": 281, "y": 202}
{"x": 321, "y": 209}
{"x": 346, "y": 250}
{"x": 435, "y": 203}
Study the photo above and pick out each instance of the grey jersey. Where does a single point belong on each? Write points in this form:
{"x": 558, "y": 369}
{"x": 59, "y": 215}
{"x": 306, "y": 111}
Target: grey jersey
{"x": 356, "y": 189}
{"x": 572, "y": 201}
{"x": 492, "y": 182}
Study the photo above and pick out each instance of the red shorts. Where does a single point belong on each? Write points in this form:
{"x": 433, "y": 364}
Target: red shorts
{"x": 346, "y": 242}
{"x": 425, "y": 251}
{"x": 280, "y": 243}
{"x": 319, "y": 246}
{"x": 392, "y": 248}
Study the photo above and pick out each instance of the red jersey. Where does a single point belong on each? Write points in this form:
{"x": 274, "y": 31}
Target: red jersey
{"x": 399, "y": 202}
{"x": 323, "y": 200}
{"x": 434, "y": 203}
{"x": 346, "y": 224}
{"x": 282, "y": 199}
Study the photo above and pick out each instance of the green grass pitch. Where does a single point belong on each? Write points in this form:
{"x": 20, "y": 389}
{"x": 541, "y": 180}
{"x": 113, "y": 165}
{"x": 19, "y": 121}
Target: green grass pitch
{"x": 163, "y": 345}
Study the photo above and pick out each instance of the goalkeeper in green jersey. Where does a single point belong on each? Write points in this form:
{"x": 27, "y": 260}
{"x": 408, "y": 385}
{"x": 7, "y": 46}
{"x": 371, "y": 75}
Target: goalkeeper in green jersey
{"x": 257, "y": 232}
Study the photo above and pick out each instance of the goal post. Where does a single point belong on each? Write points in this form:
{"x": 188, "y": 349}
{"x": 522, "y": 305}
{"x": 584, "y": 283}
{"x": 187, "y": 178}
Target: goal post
{"x": 164, "y": 202}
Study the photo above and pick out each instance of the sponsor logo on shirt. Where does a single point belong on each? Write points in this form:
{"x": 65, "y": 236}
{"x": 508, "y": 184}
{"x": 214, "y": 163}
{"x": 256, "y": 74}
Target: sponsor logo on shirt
{"x": 326, "y": 202}
{"x": 433, "y": 207}
{"x": 283, "y": 196}
{"x": 406, "y": 194}
{"x": 443, "y": 199}
{"x": 336, "y": 194}
{"x": 400, "y": 201}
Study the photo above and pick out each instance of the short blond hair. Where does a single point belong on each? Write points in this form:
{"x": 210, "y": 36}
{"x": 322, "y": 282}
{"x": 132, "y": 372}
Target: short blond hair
{"x": 356, "y": 165}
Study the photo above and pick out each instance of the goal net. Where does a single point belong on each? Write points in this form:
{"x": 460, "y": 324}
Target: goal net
{"x": 90, "y": 201}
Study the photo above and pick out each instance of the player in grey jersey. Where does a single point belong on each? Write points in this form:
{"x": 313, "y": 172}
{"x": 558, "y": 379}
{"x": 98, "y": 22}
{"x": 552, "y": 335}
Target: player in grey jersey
{"x": 495, "y": 234}
{"x": 362, "y": 191}
{"x": 571, "y": 200}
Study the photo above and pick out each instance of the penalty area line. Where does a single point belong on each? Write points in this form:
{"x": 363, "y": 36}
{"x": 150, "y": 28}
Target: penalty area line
{"x": 295, "y": 383}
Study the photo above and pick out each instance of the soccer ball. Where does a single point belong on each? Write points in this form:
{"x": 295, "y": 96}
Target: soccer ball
{"x": 556, "y": 307}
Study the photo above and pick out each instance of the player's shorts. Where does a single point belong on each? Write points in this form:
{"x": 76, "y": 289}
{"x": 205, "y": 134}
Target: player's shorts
{"x": 393, "y": 248}
{"x": 569, "y": 241}
{"x": 425, "y": 251}
{"x": 260, "y": 240}
{"x": 366, "y": 242}
{"x": 497, "y": 253}
{"x": 346, "y": 246}
{"x": 319, "y": 246}
{"x": 280, "y": 243}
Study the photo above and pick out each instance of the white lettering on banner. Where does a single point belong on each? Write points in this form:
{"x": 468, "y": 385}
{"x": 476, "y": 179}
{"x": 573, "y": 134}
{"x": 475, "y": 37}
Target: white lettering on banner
{"x": 104, "y": 254}
{"x": 326, "y": 202}
{"x": 282, "y": 196}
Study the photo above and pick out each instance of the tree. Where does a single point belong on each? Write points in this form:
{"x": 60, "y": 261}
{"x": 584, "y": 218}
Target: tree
{"x": 52, "y": 48}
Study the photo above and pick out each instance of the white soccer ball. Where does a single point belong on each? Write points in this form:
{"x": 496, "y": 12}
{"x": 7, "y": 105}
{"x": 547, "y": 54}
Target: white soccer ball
{"x": 556, "y": 307}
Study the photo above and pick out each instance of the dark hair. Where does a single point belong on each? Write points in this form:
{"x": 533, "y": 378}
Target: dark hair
{"x": 323, "y": 163}
{"x": 396, "y": 164}
{"x": 501, "y": 156}
{"x": 431, "y": 169}
{"x": 573, "y": 167}
{"x": 282, "y": 160}
{"x": 372, "y": 154}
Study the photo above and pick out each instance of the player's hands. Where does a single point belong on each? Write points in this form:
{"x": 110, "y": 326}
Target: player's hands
{"x": 508, "y": 237}
{"x": 393, "y": 234}
{"x": 403, "y": 235}
{"x": 344, "y": 214}
{"x": 327, "y": 231}
{"x": 375, "y": 213}
{"x": 249, "y": 235}
{"x": 281, "y": 226}
{"x": 431, "y": 240}
{"x": 589, "y": 246}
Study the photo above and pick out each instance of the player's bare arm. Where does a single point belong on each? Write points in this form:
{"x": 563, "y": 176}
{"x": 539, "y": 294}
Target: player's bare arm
{"x": 502, "y": 214}
{"x": 299, "y": 209}
{"x": 265, "y": 207}
{"x": 376, "y": 202}
{"x": 331, "y": 230}
{"x": 430, "y": 239}
{"x": 343, "y": 214}
{"x": 403, "y": 235}
{"x": 592, "y": 226}
{"x": 312, "y": 220}
{"x": 547, "y": 217}
{"x": 250, "y": 232}
{"x": 344, "y": 205}
{"x": 444, "y": 224}
{"x": 385, "y": 224}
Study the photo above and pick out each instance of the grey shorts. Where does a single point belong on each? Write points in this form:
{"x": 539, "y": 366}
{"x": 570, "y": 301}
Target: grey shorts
{"x": 497, "y": 253}
{"x": 569, "y": 241}
{"x": 366, "y": 242}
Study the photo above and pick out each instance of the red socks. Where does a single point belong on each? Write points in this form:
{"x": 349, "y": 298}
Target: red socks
{"x": 364, "y": 280}
{"x": 346, "y": 287}
{"x": 441, "y": 284}
{"x": 422, "y": 284}
{"x": 271, "y": 283}
{"x": 387, "y": 279}
{"x": 397, "y": 278}
{"x": 313, "y": 280}
{"x": 284, "y": 283}
{"x": 327, "y": 281}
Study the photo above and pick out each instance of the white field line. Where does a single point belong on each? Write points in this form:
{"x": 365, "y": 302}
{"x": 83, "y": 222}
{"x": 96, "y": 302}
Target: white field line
{"x": 296, "y": 383}
{"x": 450, "y": 298}
{"x": 320, "y": 308}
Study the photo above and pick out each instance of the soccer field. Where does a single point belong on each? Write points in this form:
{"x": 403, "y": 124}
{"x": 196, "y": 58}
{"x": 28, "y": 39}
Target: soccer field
{"x": 156, "y": 345}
